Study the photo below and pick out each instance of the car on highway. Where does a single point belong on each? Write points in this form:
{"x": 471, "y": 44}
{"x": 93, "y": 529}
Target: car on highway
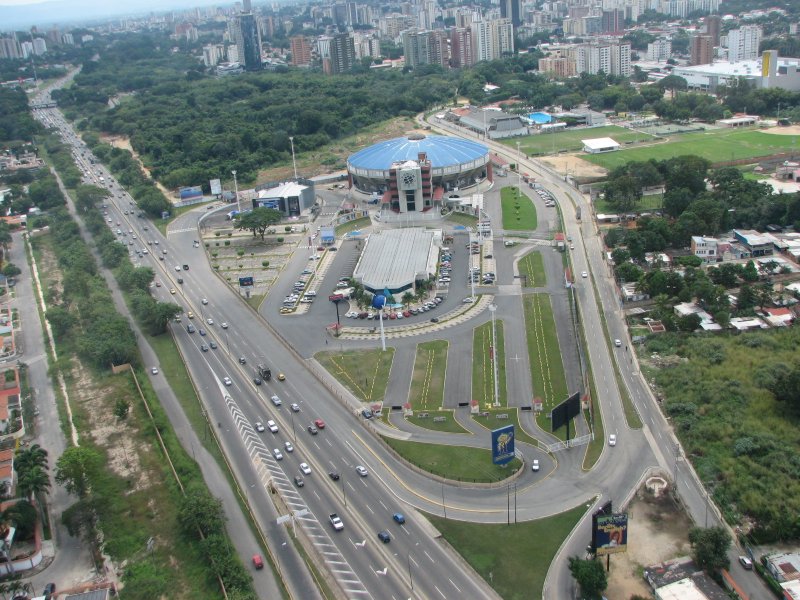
{"x": 242, "y": 360}
{"x": 295, "y": 407}
{"x": 202, "y": 331}
{"x": 298, "y": 481}
{"x": 612, "y": 440}
{"x": 260, "y": 427}
{"x": 305, "y": 469}
{"x": 178, "y": 268}
{"x": 227, "y": 380}
{"x": 210, "y": 321}
{"x": 746, "y": 563}
{"x": 224, "y": 325}
{"x": 190, "y": 314}
{"x": 213, "y": 345}
{"x": 399, "y": 518}
{"x": 468, "y": 300}
{"x": 618, "y": 343}
{"x": 154, "y": 370}
{"x": 288, "y": 446}
{"x": 203, "y": 347}
{"x": 172, "y": 291}
{"x": 204, "y": 301}
{"x": 158, "y": 284}
{"x": 276, "y": 401}
{"x": 276, "y": 452}
{"x": 508, "y": 243}
{"x": 313, "y": 430}
{"x": 272, "y": 426}
{"x": 584, "y": 274}
{"x": 319, "y": 423}
{"x": 258, "y": 562}
{"x": 535, "y": 464}
{"x": 362, "y": 471}
{"x": 334, "y": 475}
{"x": 257, "y": 380}
{"x": 384, "y": 536}
{"x": 366, "y": 413}
{"x": 281, "y": 377}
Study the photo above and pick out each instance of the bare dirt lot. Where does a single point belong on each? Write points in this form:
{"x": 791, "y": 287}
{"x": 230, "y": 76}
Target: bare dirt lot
{"x": 574, "y": 166}
{"x": 792, "y": 130}
{"x": 657, "y": 531}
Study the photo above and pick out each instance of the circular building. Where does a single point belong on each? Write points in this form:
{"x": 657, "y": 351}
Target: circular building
{"x": 454, "y": 162}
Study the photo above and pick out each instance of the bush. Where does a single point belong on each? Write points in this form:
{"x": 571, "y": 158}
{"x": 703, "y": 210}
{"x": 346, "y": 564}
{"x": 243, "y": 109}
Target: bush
{"x": 280, "y": 240}
{"x": 227, "y": 242}
{"x": 287, "y": 229}
{"x": 264, "y": 263}
{"x": 240, "y": 252}
{"x": 216, "y": 234}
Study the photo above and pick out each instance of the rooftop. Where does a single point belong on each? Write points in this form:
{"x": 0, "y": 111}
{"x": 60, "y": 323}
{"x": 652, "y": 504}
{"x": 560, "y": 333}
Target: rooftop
{"x": 600, "y": 143}
{"x": 285, "y": 190}
{"x": 442, "y": 151}
{"x": 393, "y": 258}
{"x": 742, "y": 68}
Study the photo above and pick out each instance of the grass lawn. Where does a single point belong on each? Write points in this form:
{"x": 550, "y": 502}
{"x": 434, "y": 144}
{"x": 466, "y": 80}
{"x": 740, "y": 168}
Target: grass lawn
{"x": 513, "y": 559}
{"x": 461, "y": 463}
{"x": 547, "y": 370}
{"x": 353, "y": 225}
{"x": 364, "y": 372}
{"x": 570, "y": 140}
{"x": 492, "y": 422}
{"x": 716, "y": 146}
{"x": 449, "y": 425}
{"x": 427, "y": 379}
{"x": 482, "y": 371}
{"x": 519, "y": 213}
{"x": 175, "y": 212}
{"x": 647, "y": 203}
{"x": 462, "y": 219}
{"x": 532, "y": 266}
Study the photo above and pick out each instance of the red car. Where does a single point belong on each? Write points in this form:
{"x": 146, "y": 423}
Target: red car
{"x": 319, "y": 423}
{"x": 258, "y": 563}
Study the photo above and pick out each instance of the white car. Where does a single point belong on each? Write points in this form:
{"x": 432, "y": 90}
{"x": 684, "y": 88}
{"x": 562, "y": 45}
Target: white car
{"x": 227, "y": 381}
{"x": 508, "y": 243}
{"x": 288, "y": 446}
{"x": 178, "y": 268}
{"x": 277, "y": 454}
{"x": 272, "y": 426}
{"x": 618, "y": 343}
{"x": 295, "y": 407}
{"x": 305, "y": 469}
{"x": 224, "y": 325}
{"x": 535, "y": 464}
{"x": 361, "y": 471}
{"x": 210, "y": 321}
{"x": 204, "y": 301}
{"x": 154, "y": 370}
{"x": 260, "y": 427}
{"x": 468, "y": 300}
{"x": 584, "y": 274}
{"x": 612, "y": 440}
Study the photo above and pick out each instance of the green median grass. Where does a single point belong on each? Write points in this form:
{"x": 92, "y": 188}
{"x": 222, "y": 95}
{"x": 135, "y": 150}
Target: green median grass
{"x": 353, "y": 225}
{"x": 532, "y": 266}
{"x": 547, "y": 369}
{"x": 427, "y": 379}
{"x": 519, "y": 213}
{"x": 448, "y": 425}
{"x": 364, "y": 372}
{"x": 461, "y": 463}
{"x": 482, "y": 371}
{"x": 492, "y": 422}
{"x": 512, "y": 559}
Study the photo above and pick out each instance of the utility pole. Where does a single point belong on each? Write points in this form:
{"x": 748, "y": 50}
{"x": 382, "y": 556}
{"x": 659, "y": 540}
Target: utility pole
{"x": 294, "y": 164}
{"x": 236, "y": 191}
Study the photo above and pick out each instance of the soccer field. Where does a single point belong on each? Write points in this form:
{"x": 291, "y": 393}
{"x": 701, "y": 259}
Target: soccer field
{"x": 717, "y": 146}
{"x": 570, "y": 140}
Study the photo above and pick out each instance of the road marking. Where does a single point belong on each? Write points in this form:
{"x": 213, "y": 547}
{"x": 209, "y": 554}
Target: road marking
{"x": 440, "y": 591}
{"x": 429, "y": 556}
{"x": 454, "y": 585}
{"x": 383, "y": 505}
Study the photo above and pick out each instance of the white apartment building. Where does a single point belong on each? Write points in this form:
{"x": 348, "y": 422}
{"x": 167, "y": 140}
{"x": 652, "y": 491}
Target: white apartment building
{"x": 492, "y": 39}
{"x": 659, "y": 50}
{"x": 743, "y": 43}
{"x": 611, "y": 58}
{"x": 39, "y": 46}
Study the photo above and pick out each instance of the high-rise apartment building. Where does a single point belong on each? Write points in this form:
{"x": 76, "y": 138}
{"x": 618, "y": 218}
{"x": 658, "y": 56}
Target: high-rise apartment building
{"x": 425, "y": 48}
{"x": 558, "y": 66}
{"x": 342, "y": 54}
{"x": 492, "y": 39}
{"x": 659, "y": 50}
{"x": 743, "y": 43}
{"x": 702, "y": 50}
{"x": 10, "y": 47}
{"x": 301, "y": 50}
{"x": 39, "y": 46}
{"x": 610, "y": 58}
{"x": 713, "y": 27}
{"x": 511, "y": 9}
{"x": 612, "y": 21}
{"x": 461, "y": 54}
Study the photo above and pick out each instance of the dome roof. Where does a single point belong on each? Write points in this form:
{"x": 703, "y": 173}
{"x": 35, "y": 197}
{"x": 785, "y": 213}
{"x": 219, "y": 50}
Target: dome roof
{"x": 442, "y": 151}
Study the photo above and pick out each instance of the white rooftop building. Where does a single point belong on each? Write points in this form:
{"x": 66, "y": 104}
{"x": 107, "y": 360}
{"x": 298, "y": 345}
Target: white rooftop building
{"x": 769, "y": 71}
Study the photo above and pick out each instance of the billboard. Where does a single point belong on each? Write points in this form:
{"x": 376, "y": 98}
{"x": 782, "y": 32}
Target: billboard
{"x": 611, "y": 534}
{"x": 245, "y": 282}
{"x": 190, "y": 193}
{"x": 503, "y": 445}
{"x": 569, "y": 409}
{"x": 216, "y": 187}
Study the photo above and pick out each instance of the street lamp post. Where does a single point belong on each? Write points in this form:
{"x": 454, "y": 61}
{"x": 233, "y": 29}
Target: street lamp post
{"x": 236, "y": 191}
{"x": 294, "y": 164}
{"x": 492, "y": 310}
{"x": 519, "y": 171}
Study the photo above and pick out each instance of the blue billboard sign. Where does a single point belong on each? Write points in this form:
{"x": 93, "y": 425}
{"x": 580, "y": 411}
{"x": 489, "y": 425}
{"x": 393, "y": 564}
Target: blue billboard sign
{"x": 190, "y": 193}
{"x": 503, "y": 445}
{"x": 245, "y": 282}
{"x": 611, "y": 534}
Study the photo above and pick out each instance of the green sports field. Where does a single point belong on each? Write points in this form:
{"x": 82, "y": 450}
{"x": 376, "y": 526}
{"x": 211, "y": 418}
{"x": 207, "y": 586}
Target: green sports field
{"x": 717, "y": 146}
{"x": 570, "y": 140}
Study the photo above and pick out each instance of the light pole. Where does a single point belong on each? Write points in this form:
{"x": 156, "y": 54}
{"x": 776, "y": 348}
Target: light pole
{"x": 236, "y": 191}
{"x": 519, "y": 171}
{"x": 294, "y": 164}
{"x": 444, "y": 506}
{"x": 492, "y": 310}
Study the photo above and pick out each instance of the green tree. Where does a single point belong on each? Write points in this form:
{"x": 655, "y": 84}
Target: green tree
{"x": 23, "y": 516}
{"x": 259, "y": 220}
{"x": 11, "y": 270}
{"x": 160, "y": 316}
{"x": 620, "y": 256}
{"x": 408, "y": 298}
{"x": 590, "y": 576}
{"x": 61, "y": 321}
{"x": 710, "y": 548}
{"x": 623, "y": 192}
{"x": 33, "y": 456}
{"x": 199, "y": 511}
{"x": 77, "y": 467}
{"x": 747, "y": 299}
{"x": 33, "y": 482}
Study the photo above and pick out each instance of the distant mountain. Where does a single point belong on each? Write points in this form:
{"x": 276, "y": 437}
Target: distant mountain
{"x": 70, "y": 12}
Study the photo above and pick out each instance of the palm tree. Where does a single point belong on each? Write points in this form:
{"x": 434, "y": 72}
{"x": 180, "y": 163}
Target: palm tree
{"x": 32, "y": 482}
{"x": 408, "y": 298}
{"x": 35, "y": 456}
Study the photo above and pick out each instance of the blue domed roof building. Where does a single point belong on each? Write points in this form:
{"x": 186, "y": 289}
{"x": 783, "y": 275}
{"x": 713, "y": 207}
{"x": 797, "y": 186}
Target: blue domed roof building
{"x": 448, "y": 163}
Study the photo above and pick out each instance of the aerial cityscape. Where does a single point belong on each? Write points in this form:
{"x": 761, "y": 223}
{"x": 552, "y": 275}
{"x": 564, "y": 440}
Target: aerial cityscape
{"x": 425, "y": 299}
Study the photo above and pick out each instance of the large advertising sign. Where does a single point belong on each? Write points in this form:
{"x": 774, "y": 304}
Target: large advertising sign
{"x": 190, "y": 193}
{"x": 245, "y": 281}
{"x": 216, "y": 187}
{"x": 503, "y": 445}
{"x": 611, "y": 534}
{"x": 569, "y": 409}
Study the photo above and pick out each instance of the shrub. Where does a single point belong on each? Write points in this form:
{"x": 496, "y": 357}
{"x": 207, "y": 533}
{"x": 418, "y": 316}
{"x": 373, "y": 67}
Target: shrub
{"x": 280, "y": 240}
{"x": 264, "y": 263}
{"x": 240, "y": 252}
{"x": 287, "y": 229}
{"x": 227, "y": 242}
{"x": 216, "y": 234}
